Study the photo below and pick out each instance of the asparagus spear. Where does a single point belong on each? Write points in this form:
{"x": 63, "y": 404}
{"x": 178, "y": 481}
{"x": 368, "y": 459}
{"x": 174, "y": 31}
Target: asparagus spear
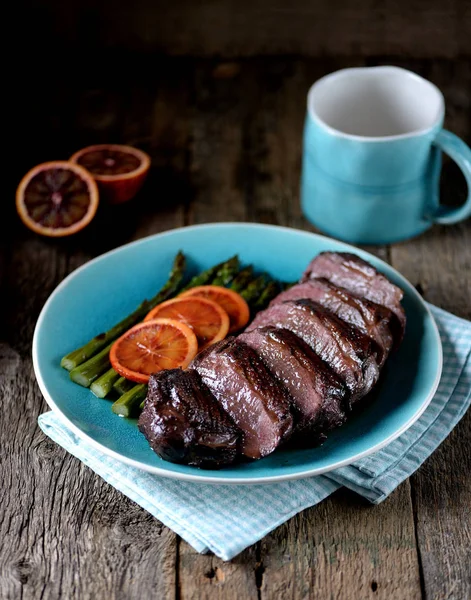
{"x": 128, "y": 404}
{"x": 227, "y": 272}
{"x": 267, "y": 295}
{"x": 253, "y": 291}
{"x": 86, "y": 373}
{"x": 96, "y": 344}
{"x": 205, "y": 277}
{"x": 123, "y": 385}
{"x": 102, "y": 386}
{"x": 242, "y": 279}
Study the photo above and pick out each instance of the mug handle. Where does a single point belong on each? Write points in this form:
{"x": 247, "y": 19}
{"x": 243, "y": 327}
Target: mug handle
{"x": 460, "y": 152}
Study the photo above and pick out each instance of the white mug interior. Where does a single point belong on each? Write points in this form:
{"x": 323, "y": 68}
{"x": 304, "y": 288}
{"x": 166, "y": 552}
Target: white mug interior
{"x": 376, "y": 102}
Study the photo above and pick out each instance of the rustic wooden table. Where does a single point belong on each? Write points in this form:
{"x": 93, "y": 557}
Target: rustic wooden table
{"x": 225, "y": 141}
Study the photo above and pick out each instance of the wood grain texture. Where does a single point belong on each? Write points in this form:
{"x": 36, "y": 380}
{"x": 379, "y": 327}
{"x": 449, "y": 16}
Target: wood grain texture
{"x": 344, "y": 548}
{"x": 225, "y": 141}
{"x": 65, "y": 533}
{"x": 57, "y": 516}
{"x": 217, "y": 144}
{"x": 439, "y": 264}
{"x": 420, "y": 28}
{"x": 206, "y": 577}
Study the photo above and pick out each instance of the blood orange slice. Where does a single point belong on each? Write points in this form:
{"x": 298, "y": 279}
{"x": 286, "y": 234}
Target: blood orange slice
{"x": 153, "y": 346}
{"x": 205, "y": 317}
{"x": 119, "y": 170}
{"x": 57, "y": 198}
{"x": 232, "y": 302}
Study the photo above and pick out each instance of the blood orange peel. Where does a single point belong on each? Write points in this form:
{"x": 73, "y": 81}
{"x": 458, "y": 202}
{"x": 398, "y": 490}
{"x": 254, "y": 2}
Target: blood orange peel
{"x": 119, "y": 170}
{"x": 57, "y": 198}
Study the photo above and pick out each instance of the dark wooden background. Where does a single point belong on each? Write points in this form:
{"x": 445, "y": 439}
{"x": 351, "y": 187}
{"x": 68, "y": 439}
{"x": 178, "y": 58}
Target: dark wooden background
{"x": 215, "y": 92}
{"x": 417, "y": 28}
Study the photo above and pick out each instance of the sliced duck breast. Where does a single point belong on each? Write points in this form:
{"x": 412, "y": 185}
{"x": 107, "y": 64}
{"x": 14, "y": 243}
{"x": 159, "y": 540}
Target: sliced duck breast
{"x": 244, "y": 387}
{"x": 362, "y": 279}
{"x": 348, "y": 352}
{"x": 184, "y": 423}
{"x": 317, "y": 393}
{"x": 373, "y": 319}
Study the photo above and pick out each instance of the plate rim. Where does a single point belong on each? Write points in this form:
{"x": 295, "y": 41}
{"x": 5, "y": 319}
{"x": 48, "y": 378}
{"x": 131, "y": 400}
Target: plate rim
{"x": 204, "y": 478}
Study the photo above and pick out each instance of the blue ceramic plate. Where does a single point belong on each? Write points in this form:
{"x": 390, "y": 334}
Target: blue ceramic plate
{"x": 106, "y": 289}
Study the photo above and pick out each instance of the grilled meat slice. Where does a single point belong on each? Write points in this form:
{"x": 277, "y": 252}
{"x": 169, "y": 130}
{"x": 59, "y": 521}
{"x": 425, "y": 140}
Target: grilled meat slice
{"x": 183, "y": 422}
{"x": 360, "y": 278}
{"x": 370, "y": 318}
{"x": 316, "y": 392}
{"x": 348, "y": 352}
{"x": 249, "y": 393}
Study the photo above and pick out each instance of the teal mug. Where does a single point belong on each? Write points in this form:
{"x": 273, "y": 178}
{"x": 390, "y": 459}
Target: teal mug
{"x": 372, "y": 147}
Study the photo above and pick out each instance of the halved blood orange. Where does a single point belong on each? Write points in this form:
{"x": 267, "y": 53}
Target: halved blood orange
{"x": 153, "y": 346}
{"x": 57, "y": 198}
{"x": 119, "y": 170}
{"x": 206, "y": 318}
{"x": 232, "y": 302}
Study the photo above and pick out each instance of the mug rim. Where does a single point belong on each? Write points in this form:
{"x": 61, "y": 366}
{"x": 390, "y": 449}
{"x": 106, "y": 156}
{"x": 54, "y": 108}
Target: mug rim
{"x": 385, "y": 138}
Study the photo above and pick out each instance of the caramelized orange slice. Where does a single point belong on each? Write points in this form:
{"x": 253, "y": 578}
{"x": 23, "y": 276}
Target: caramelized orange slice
{"x": 232, "y": 302}
{"x": 205, "y": 317}
{"x": 153, "y": 346}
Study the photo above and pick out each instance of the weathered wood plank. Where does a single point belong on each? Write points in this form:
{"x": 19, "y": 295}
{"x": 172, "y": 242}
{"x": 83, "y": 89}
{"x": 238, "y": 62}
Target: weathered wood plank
{"x": 344, "y": 548}
{"x": 160, "y": 124}
{"x": 439, "y": 264}
{"x": 217, "y": 144}
{"x": 207, "y": 577}
{"x": 441, "y": 492}
{"x": 262, "y": 27}
{"x": 66, "y": 532}
{"x": 63, "y": 529}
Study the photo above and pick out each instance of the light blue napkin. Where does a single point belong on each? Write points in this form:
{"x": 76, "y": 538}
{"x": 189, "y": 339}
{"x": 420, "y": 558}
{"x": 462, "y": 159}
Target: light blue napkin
{"x": 225, "y": 519}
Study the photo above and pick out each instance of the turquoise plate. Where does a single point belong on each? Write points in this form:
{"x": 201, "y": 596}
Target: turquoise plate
{"x": 109, "y": 287}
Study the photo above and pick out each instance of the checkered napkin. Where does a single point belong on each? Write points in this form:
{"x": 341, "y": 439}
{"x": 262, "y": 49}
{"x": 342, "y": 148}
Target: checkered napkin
{"x": 225, "y": 519}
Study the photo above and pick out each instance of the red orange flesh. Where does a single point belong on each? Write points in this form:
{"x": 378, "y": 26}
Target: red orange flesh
{"x": 119, "y": 170}
{"x": 205, "y": 317}
{"x": 57, "y": 198}
{"x": 232, "y": 302}
{"x": 153, "y": 346}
